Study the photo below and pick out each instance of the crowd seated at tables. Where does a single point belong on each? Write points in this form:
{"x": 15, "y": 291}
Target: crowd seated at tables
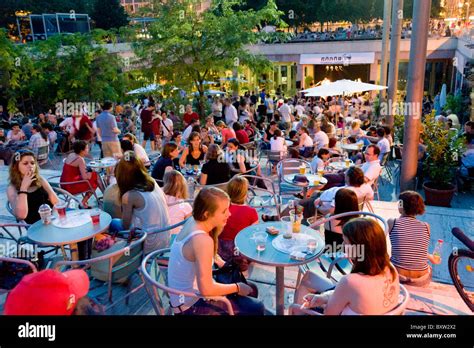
{"x": 155, "y": 196}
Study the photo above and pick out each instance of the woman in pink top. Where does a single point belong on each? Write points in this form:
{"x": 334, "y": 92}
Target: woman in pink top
{"x": 372, "y": 287}
{"x": 227, "y": 133}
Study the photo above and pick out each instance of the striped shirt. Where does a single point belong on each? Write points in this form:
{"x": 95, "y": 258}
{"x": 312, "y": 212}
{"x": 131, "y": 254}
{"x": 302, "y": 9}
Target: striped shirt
{"x": 410, "y": 239}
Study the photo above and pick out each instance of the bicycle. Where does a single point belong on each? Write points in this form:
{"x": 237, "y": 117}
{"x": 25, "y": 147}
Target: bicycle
{"x": 461, "y": 263}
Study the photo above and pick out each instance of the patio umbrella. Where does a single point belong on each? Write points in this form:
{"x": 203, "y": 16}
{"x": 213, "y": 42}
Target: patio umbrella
{"x": 146, "y": 89}
{"x": 211, "y": 92}
{"x": 442, "y": 96}
{"x": 234, "y": 79}
{"x": 341, "y": 87}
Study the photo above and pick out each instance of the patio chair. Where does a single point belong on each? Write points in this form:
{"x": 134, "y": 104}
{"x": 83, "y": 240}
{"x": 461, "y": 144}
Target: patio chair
{"x": 273, "y": 157}
{"x": 290, "y": 166}
{"x": 115, "y": 265}
{"x": 260, "y": 198}
{"x": 20, "y": 224}
{"x": 335, "y": 261}
{"x": 55, "y": 181}
{"x": 42, "y": 155}
{"x": 26, "y": 267}
{"x": 403, "y": 299}
{"x": 386, "y": 168}
{"x": 153, "y": 271}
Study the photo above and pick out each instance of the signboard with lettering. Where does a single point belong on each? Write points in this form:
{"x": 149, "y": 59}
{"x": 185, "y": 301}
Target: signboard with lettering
{"x": 338, "y": 58}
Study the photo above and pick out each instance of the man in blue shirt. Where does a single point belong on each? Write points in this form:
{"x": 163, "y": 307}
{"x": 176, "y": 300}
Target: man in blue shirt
{"x": 107, "y": 129}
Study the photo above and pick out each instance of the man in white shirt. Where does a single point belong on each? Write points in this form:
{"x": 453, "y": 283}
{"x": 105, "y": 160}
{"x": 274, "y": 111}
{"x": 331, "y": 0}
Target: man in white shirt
{"x": 230, "y": 113}
{"x": 321, "y": 139}
{"x": 300, "y": 109}
{"x": 285, "y": 113}
{"x": 371, "y": 167}
{"x": 166, "y": 126}
{"x": 189, "y": 129}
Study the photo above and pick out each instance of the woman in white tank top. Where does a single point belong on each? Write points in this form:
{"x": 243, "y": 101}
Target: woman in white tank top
{"x": 143, "y": 202}
{"x": 372, "y": 288}
{"x": 193, "y": 254}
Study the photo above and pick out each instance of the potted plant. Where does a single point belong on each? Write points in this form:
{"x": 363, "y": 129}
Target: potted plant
{"x": 444, "y": 149}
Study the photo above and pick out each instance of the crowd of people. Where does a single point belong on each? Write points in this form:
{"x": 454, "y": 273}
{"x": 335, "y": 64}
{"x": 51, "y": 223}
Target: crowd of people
{"x": 152, "y": 195}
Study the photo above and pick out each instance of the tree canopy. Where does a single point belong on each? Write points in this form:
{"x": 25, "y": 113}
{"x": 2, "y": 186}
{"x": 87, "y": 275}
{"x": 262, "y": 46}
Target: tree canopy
{"x": 39, "y": 75}
{"x": 186, "y": 47}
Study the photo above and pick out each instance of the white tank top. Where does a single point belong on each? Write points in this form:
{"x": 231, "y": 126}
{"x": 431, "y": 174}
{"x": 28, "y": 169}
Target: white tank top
{"x": 153, "y": 215}
{"x": 182, "y": 273}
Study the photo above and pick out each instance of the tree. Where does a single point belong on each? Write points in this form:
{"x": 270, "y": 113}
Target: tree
{"x": 72, "y": 67}
{"x": 109, "y": 14}
{"x": 185, "y": 47}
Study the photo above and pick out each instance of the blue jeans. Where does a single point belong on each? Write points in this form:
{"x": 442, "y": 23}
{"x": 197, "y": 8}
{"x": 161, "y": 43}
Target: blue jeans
{"x": 242, "y": 305}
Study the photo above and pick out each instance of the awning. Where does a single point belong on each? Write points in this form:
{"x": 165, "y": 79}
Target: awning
{"x": 338, "y": 58}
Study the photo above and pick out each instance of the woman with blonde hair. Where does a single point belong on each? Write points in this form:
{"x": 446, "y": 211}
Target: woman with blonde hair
{"x": 372, "y": 287}
{"x": 191, "y": 261}
{"x": 28, "y": 190}
{"x": 176, "y": 191}
{"x": 241, "y": 216}
{"x": 143, "y": 202}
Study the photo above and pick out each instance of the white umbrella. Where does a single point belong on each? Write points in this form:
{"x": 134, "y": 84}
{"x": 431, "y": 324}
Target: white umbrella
{"x": 211, "y": 92}
{"x": 236, "y": 79}
{"x": 442, "y": 96}
{"x": 146, "y": 89}
{"x": 341, "y": 87}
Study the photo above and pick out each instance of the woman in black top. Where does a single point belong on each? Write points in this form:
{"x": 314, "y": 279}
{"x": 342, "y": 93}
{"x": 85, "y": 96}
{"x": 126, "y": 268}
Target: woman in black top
{"x": 194, "y": 153}
{"x": 166, "y": 162}
{"x": 216, "y": 170}
{"x": 28, "y": 190}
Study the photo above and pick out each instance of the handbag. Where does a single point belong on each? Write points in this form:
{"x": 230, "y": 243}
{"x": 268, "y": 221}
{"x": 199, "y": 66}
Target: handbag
{"x": 230, "y": 274}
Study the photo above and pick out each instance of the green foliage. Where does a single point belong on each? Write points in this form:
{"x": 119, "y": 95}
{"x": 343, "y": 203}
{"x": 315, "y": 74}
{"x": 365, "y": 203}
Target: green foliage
{"x": 444, "y": 149}
{"x": 109, "y": 14}
{"x": 399, "y": 127}
{"x": 454, "y": 103}
{"x": 186, "y": 47}
{"x": 308, "y": 80}
{"x": 63, "y": 67}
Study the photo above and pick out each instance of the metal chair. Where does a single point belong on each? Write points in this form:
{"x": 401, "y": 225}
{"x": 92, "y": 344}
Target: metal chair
{"x": 42, "y": 155}
{"x": 375, "y": 186}
{"x": 273, "y": 157}
{"x": 18, "y": 261}
{"x": 386, "y": 168}
{"x": 72, "y": 202}
{"x": 120, "y": 264}
{"x": 403, "y": 299}
{"x": 290, "y": 166}
{"x": 327, "y": 263}
{"x": 55, "y": 181}
{"x": 153, "y": 271}
{"x": 261, "y": 198}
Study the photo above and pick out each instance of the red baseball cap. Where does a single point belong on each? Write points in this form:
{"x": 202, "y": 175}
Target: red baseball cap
{"x": 48, "y": 292}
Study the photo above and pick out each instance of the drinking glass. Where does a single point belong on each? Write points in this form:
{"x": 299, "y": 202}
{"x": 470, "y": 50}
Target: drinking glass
{"x": 260, "y": 240}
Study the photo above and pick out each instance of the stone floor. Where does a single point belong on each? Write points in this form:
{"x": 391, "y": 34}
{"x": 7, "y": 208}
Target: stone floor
{"x": 439, "y": 298}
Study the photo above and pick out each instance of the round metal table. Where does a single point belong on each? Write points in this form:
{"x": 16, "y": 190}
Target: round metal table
{"x": 59, "y": 236}
{"x": 311, "y": 177}
{"x": 99, "y": 165}
{"x": 340, "y": 165}
{"x": 351, "y": 147}
{"x": 272, "y": 257}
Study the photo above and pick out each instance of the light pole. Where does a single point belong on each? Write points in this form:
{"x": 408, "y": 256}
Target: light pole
{"x": 396, "y": 33}
{"x": 387, "y": 12}
{"x": 416, "y": 78}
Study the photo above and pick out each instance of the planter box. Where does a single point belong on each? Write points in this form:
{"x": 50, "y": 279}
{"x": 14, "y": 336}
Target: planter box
{"x": 438, "y": 197}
